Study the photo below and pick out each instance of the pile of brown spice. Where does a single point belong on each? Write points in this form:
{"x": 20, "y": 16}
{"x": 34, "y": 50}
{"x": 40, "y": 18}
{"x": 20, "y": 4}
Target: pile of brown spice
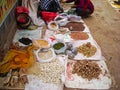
{"x": 87, "y": 49}
{"x": 75, "y": 26}
{"x": 79, "y": 35}
{"x": 87, "y": 69}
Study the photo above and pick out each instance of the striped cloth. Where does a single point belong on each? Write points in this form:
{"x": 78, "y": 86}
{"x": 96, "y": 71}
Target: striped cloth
{"x": 50, "y": 5}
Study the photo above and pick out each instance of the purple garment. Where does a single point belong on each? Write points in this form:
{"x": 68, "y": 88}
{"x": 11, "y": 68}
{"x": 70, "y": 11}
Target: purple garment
{"x": 82, "y": 4}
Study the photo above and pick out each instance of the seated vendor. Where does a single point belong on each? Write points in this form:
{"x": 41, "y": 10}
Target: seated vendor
{"x": 84, "y": 8}
{"x": 50, "y": 5}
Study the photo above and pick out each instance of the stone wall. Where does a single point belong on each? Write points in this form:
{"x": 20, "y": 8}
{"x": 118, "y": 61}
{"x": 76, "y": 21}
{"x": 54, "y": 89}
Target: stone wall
{"x": 7, "y": 31}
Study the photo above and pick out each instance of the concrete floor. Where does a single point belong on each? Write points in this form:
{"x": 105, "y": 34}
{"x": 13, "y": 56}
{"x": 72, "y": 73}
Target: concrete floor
{"x": 105, "y": 28}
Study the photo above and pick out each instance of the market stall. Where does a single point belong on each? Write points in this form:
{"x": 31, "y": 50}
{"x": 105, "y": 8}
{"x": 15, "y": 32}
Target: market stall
{"x": 61, "y": 52}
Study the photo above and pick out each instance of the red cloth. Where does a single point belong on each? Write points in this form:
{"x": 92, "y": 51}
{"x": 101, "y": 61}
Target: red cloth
{"x": 21, "y": 9}
{"x": 48, "y": 16}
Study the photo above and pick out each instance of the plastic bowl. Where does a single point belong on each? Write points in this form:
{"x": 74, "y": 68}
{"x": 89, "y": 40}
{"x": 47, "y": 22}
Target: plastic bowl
{"x": 60, "y": 49}
{"x": 23, "y": 20}
{"x": 53, "y": 25}
{"x": 60, "y": 20}
{"x": 40, "y": 59}
{"x": 41, "y": 43}
{"x": 74, "y": 18}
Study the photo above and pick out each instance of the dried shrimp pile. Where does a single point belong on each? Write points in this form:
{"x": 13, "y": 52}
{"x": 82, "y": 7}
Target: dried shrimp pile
{"x": 87, "y": 50}
{"x": 87, "y": 69}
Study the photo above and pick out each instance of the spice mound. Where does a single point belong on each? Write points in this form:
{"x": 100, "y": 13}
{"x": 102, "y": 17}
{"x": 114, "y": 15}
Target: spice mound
{"x": 45, "y": 55}
{"x": 53, "y": 25}
{"x": 75, "y": 26}
{"x": 87, "y": 49}
{"x": 41, "y": 43}
{"x": 87, "y": 69}
{"x": 79, "y": 35}
{"x": 58, "y": 46}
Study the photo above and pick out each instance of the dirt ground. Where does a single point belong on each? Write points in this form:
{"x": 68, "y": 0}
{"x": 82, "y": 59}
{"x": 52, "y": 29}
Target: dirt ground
{"x": 104, "y": 25}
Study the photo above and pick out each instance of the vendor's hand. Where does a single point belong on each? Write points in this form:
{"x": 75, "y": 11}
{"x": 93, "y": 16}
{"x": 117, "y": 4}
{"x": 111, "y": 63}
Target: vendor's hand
{"x": 63, "y": 1}
{"x": 73, "y": 6}
{"x": 61, "y": 11}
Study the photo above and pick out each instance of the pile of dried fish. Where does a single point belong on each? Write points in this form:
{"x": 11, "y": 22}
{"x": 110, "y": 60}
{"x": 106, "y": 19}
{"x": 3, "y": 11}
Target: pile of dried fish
{"x": 16, "y": 77}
